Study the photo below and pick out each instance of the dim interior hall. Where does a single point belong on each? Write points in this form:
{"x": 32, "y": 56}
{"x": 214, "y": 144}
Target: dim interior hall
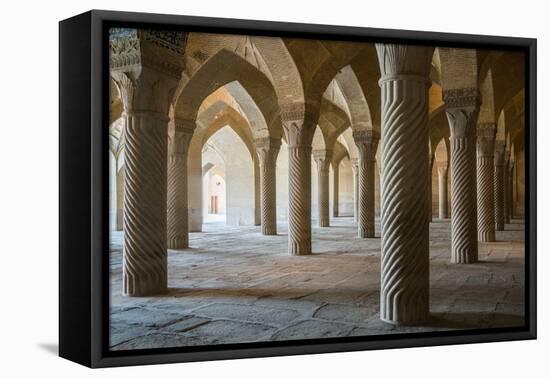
{"x": 253, "y": 175}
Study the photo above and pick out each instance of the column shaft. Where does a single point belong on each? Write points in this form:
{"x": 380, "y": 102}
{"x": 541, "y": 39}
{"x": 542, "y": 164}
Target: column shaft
{"x": 355, "y": 168}
{"x": 268, "y": 150}
{"x": 404, "y": 286}
{"x": 144, "y": 254}
{"x": 335, "y": 189}
{"x": 462, "y": 110}
{"x": 322, "y": 159}
{"x": 442, "y": 187}
{"x": 506, "y": 188}
{"x": 367, "y": 142}
{"x": 485, "y": 182}
{"x": 299, "y": 200}
{"x": 499, "y": 185}
{"x": 510, "y": 186}
{"x": 177, "y": 204}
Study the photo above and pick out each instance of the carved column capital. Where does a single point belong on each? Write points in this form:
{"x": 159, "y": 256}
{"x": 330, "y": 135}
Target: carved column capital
{"x": 180, "y": 133}
{"x": 462, "y": 107}
{"x": 299, "y": 121}
{"x": 486, "y": 133}
{"x": 267, "y": 149}
{"x": 367, "y": 143}
{"x": 404, "y": 62}
{"x": 500, "y": 148}
{"x": 322, "y": 159}
{"x": 146, "y": 66}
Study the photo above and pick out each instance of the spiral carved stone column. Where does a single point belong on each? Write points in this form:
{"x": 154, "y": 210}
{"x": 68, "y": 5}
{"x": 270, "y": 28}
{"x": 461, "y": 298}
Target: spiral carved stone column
{"x": 144, "y": 264}
{"x": 299, "y": 200}
{"x": 499, "y": 185}
{"x": 462, "y": 107}
{"x": 485, "y": 182}
{"x": 177, "y": 211}
{"x": 404, "y": 287}
{"x": 431, "y": 159}
{"x": 335, "y": 189}
{"x": 366, "y": 142}
{"x": 268, "y": 150}
{"x": 510, "y": 191}
{"x": 146, "y": 84}
{"x": 442, "y": 169}
{"x": 322, "y": 159}
{"x": 506, "y": 188}
{"x": 355, "y": 168}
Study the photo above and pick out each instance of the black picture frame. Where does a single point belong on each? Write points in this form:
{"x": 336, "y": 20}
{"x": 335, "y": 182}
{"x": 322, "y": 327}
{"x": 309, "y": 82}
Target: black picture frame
{"x": 83, "y": 166}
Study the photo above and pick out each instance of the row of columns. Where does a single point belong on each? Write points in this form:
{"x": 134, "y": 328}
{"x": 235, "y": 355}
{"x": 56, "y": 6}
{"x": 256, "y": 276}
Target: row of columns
{"x": 155, "y": 198}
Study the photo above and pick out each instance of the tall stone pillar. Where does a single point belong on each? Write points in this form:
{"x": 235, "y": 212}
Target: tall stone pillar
{"x": 442, "y": 169}
{"x": 355, "y": 168}
{"x": 257, "y": 193}
{"x": 486, "y": 182}
{"x": 431, "y": 159}
{"x": 404, "y": 286}
{"x": 462, "y": 108}
{"x": 499, "y": 184}
{"x": 506, "y": 193}
{"x": 366, "y": 142}
{"x": 177, "y": 211}
{"x": 268, "y": 150}
{"x": 322, "y": 159}
{"x": 510, "y": 191}
{"x": 335, "y": 189}
{"x": 146, "y": 85}
{"x": 299, "y": 136}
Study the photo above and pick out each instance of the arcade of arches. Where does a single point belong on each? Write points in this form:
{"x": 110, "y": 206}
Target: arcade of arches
{"x": 269, "y": 188}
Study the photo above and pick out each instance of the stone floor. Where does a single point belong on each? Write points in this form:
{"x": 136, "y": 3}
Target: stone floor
{"x": 235, "y": 285}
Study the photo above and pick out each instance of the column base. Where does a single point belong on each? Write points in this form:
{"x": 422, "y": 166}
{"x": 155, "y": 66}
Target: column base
{"x": 299, "y": 249}
{"x": 178, "y": 243}
{"x": 365, "y": 234}
{"x": 463, "y": 257}
{"x": 145, "y": 288}
{"x": 413, "y": 317}
{"x": 269, "y": 231}
{"x": 488, "y": 236}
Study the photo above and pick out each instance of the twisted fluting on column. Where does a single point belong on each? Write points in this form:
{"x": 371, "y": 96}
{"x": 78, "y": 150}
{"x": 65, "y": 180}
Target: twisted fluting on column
{"x": 267, "y": 150}
{"x": 485, "y": 182}
{"x": 144, "y": 262}
{"x": 431, "y": 159}
{"x": 499, "y": 184}
{"x": 146, "y": 84}
{"x": 355, "y": 168}
{"x": 177, "y": 204}
{"x": 462, "y": 107}
{"x": 335, "y": 189}
{"x": 506, "y": 189}
{"x": 322, "y": 159}
{"x": 298, "y": 126}
{"x": 366, "y": 142}
{"x": 299, "y": 198}
{"x": 404, "y": 287}
{"x": 510, "y": 185}
{"x": 442, "y": 169}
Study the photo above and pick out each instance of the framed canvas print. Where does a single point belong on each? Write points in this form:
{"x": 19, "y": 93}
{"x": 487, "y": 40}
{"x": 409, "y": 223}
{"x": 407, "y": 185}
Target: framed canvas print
{"x": 234, "y": 188}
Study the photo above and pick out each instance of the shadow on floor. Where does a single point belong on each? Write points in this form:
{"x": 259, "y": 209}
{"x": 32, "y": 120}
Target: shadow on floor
{"x": 463, "y": 320}
{"x": 51, "y": 348}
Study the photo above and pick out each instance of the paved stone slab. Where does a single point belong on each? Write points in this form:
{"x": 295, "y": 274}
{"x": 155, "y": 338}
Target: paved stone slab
{"x": 236, "y": 285}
